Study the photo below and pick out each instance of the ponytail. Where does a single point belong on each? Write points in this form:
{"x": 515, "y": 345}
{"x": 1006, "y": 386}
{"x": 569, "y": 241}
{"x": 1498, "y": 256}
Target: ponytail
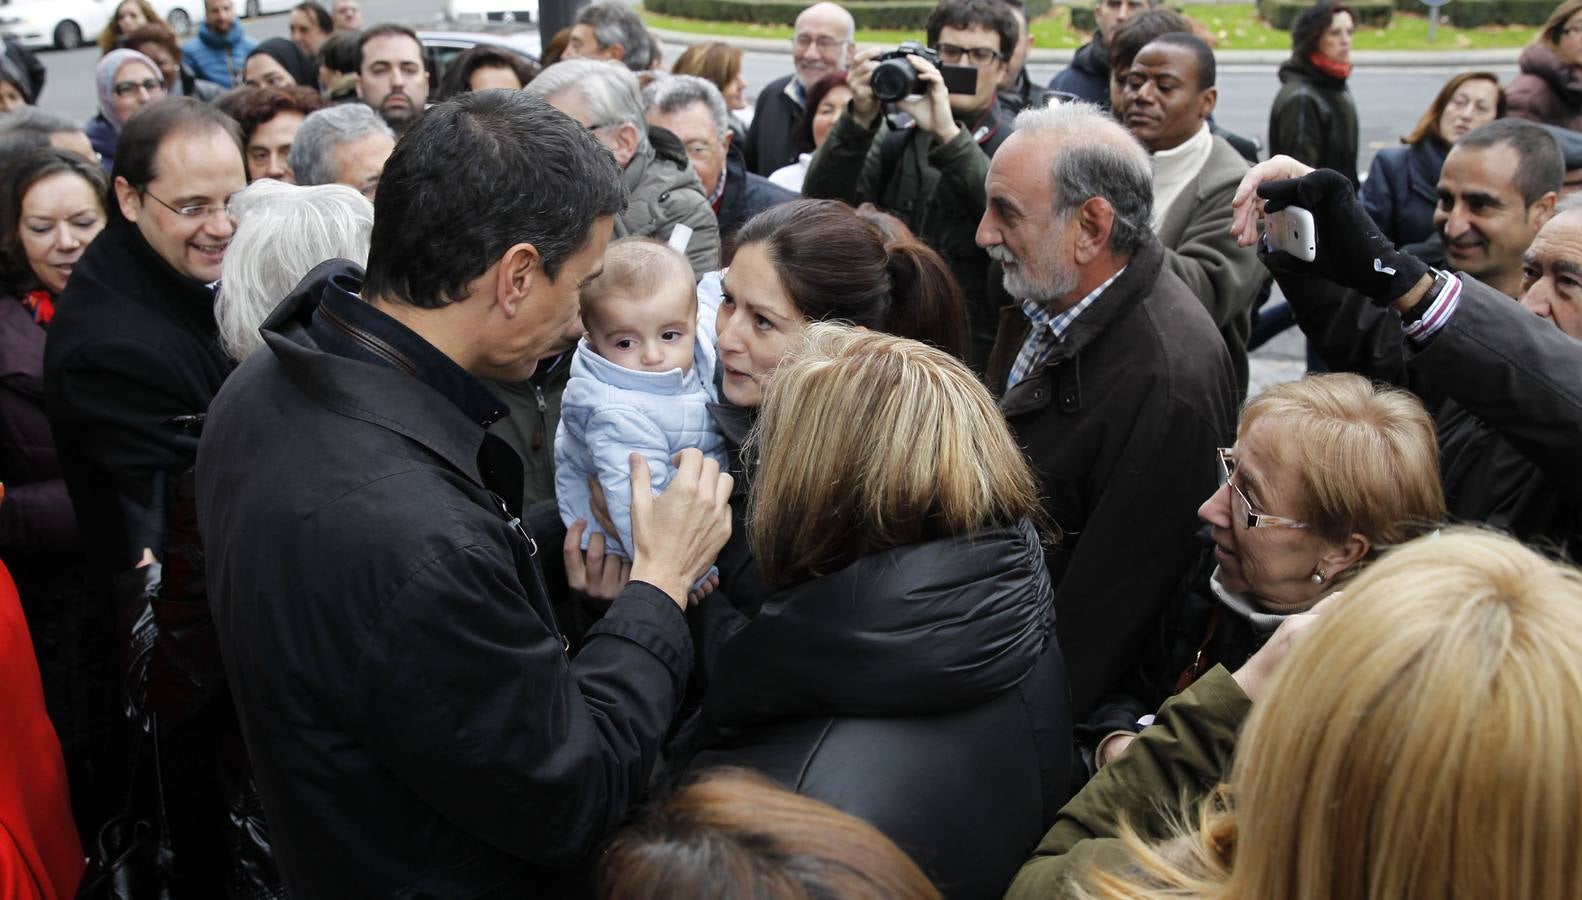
{"x": 925, "y": 301}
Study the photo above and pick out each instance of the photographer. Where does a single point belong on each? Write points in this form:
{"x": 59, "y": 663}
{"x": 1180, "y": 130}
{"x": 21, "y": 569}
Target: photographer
{"x": 929, "y": 172}
{"x": 1498, "y": 379}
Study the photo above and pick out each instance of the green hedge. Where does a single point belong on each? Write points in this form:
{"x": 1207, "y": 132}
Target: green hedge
{"x": 901, "y": 14}
{"x": 1281, "y": 13}
{"x": 1472, "y": 13}
{"x": 1082, "y": 18}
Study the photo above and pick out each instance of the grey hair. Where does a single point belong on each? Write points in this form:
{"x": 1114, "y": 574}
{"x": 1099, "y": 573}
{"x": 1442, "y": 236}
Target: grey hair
{"x": 312, "y": 150}
{"x": 674, "y": 93}
{"x": 282, "y": 232}
{"x": 1097, "y": 158}
{"x": 614, "y": 22}
{"x": 608, "y": 89}
{"x": 31, "y": 118}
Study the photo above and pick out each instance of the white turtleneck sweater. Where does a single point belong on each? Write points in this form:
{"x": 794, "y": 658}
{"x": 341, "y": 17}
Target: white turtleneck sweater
{"x": 1176, "y": 167}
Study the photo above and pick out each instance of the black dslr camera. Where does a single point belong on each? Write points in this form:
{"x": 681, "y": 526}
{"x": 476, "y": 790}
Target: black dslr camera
{"x": 894, "y": 77}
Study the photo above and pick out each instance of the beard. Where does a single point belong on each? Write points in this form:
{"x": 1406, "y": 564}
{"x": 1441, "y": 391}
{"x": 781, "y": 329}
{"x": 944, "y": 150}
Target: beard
{"x": 1044, "y": 281}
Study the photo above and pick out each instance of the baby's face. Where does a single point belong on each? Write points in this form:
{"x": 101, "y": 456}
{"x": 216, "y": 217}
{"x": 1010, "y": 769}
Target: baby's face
{"x": 646, "y": 334}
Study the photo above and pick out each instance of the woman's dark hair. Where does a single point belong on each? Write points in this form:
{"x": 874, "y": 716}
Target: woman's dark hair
{"x": 153, "y": 33}
{"x": 301, "y": 67}
{"x": 1312, "y": 24}
{"x": 1428, "y": 126}
{"x": 836, "y": 266}
{"x": 734, "y": 833}
{"x": 252, "y": 107}
{"x": 339, "y": 52}
{"x": 1139, "y": 31}
{"x": 17, "y": 177}
{"x": 321, "y": 17}
{"x": 815, "y": 96}
{"x": 147, "y": 131}
{"x": 458, "y": 77}
{"x": 475, "y": 176}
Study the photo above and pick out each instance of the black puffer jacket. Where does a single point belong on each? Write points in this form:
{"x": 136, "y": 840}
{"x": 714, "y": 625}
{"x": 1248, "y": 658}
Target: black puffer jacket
{"x": 920, "y": 689}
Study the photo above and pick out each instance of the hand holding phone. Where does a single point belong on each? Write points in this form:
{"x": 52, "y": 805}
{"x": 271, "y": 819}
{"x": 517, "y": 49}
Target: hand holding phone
{"x": 1293, "y": 230}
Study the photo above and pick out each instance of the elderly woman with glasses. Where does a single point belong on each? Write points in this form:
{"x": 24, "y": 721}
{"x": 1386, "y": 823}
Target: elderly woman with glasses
{"x": 1326, "y": 474}
{"x": 126, "y": 81}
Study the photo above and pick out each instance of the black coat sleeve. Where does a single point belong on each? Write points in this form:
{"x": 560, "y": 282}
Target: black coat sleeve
{"x": 468, "y": 697}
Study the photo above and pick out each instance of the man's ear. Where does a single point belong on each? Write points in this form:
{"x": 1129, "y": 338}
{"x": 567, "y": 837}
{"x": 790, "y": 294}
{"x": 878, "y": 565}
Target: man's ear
{"x": 127, "y": 196}
{"x": 1209, "y": 100}
{"x": 1094, "y": 219}
{"x": 357, "y": 85}
{"x": 514, "y": 277}
{"x": 1543, "y": 210}
{"x": 725, "y": 143}
{"x": 626, "y": 141}
{"x": 616, "y": 52}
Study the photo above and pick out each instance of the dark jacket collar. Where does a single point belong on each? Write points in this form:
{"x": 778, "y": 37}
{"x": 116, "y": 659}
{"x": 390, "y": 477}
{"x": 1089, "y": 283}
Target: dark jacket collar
{"x": 1142, "y": 270}
{"x": 423, "y": 406}
{"x": 21, "y": 340}
{"x": 1543, "y": 62}
{"x": 1424, "y": 159}
{"x": 1295, "y": 69}
{"x": 121, "y": 259}
{"x": 1093, "y": 57}
{"x": 917, "y": 630}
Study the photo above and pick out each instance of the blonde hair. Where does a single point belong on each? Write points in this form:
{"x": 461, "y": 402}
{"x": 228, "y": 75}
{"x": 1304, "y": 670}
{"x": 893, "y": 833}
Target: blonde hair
{"x": 867, "y": 441}
{"x": 1421, "y": 742}
{"x": 1550, "y": 33}
{"x": 1365, "y": 454}
{"x": 639, "y": 266}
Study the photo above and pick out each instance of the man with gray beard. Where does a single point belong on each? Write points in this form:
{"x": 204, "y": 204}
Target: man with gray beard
{"x": 1112, "y": 375}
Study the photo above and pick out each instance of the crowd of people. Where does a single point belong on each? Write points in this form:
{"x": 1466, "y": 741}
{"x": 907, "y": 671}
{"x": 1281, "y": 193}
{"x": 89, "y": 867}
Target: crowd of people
{"x": 564, "y": 477}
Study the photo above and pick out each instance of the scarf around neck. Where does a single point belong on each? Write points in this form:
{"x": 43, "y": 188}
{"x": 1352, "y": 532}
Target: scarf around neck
{"x": 1341, "y": 70}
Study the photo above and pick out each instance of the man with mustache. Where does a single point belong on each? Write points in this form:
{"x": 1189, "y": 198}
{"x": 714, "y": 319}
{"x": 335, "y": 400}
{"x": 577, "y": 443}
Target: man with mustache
{"x": 822, "y": 45}
{"x": 1165, "y": 99}
{"x": 392, "y": 76}
{"x": 1111, "y": 374}
{"x": 1497, "y": 188}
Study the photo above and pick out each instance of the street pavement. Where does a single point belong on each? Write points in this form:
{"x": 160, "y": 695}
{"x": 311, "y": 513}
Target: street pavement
{"x": 1389, "y": 101}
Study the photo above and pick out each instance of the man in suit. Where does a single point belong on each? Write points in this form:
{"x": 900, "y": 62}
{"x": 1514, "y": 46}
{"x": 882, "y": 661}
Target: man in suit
{"x": 1165, "y": 100}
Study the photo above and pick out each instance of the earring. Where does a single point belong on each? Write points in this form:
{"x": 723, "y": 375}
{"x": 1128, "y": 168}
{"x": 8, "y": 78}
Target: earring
{"x": 1318, "y": 577}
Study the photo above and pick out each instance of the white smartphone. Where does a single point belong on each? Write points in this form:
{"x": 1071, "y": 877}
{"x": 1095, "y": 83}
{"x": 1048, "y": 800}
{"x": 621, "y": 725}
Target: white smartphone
{"x": 1292, "y": 230}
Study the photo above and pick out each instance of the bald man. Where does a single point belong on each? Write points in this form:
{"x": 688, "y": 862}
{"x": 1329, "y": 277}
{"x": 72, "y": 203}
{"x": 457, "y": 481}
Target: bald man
{"x": 1121, "y": 425}
{"x": 822, "y": 46}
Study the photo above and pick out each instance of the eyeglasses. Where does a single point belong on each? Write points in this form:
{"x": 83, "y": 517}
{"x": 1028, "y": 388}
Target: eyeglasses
{"x": 149, "y": 86}
{"x": 191, "y": 212}
{"x": 824, "y": 42}
{"x": 951, "y": 54}
{"x": 1241, "y": 506}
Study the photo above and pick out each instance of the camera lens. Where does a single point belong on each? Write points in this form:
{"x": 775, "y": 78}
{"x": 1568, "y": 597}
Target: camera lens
{"x": 892, "y": 80}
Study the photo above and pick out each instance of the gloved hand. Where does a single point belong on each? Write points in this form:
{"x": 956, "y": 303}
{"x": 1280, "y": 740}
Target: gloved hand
{"x": 1352, "y": 251}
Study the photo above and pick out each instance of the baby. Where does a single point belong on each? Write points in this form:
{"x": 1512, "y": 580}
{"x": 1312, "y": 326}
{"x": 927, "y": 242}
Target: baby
{"x": 641, "y": 382}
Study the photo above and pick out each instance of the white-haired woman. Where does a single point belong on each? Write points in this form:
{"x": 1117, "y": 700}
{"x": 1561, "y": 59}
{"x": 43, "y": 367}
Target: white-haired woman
{"x": 282, "y": 232}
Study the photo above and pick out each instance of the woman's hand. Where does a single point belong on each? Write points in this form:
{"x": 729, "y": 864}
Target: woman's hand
{"x": 594, "y": 574}
{"x": 1249, "y": 208}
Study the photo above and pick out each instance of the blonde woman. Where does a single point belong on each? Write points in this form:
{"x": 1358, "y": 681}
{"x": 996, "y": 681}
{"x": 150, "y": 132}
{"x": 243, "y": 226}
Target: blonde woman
{"x": 1417, "y": 740}
{"x": 1327, "y": 473}
{"x": 905, "y": 670}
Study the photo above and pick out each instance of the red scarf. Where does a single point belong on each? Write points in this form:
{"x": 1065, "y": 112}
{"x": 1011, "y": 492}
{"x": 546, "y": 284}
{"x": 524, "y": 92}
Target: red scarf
{"x": 41, "y": 305}
{"x": 1341, "y": 70}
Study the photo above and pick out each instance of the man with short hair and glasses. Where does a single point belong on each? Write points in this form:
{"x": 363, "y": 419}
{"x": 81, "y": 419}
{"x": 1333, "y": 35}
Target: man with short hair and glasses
{"x": 130, "y": 363}
{"x": 929, "y": 170}
{"x": 823, "y": 43}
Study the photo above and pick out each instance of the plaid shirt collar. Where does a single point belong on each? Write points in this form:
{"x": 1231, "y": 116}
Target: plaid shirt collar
{"x": 1049, "y": 327}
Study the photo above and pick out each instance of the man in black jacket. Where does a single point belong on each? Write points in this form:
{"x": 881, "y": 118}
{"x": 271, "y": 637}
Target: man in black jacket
{"x": 130, "y": 366}
{"x": 1499, "y": 382}
{"x": 822, "y": 46}
{"x": 1111, "y": 373}
{"x": 417, "y": 724}
{"x": 693, "y": 110}
{"x": 1088, "y": 76}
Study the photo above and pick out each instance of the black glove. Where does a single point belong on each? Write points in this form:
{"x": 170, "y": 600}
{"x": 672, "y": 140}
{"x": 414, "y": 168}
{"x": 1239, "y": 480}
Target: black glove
{"x": 1352, "y": 251}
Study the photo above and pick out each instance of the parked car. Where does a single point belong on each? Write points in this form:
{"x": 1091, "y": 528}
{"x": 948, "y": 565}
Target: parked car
{"x": 441, "y": 47}
{"x": 38, "y": 24}
{"x": 463, "y": 12}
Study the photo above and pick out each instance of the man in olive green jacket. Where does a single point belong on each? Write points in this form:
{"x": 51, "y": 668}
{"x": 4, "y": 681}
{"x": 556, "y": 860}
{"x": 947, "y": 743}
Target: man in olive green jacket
{"x": 930, "y": 172}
